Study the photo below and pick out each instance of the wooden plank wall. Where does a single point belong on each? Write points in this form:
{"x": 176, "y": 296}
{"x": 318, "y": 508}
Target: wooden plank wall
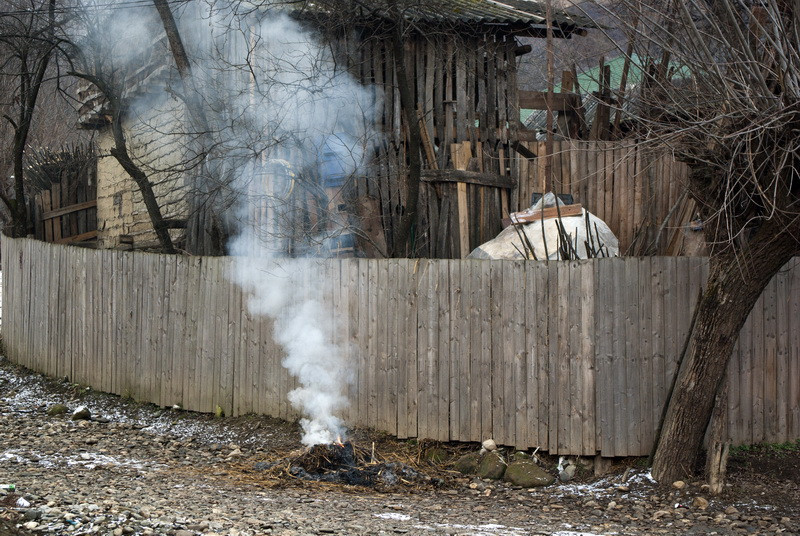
{"x": 466, "y": 91}
{"x": 574, "y": 357}
{"x": 634, "y": 191}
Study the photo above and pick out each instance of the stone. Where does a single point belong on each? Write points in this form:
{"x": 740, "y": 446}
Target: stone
{"x": 527, "y": 474}
{"x": 81, "y": 413}
{"x": 520, "y": 456}
{"x": 568, "y": 473}
{"x": 489, "y": 445}
{"x": 183, "y": 532}
{"x": 435, "y": 455}
{"x": 700, "y": 502}
{"x": 57, "y": 409}
{"x": 468, "y": 463}
{"x": 491, "y": 466}
{"x": 32, "y": 514}
{"x": 679, "y": 484}
{"x": 31, "y": 525}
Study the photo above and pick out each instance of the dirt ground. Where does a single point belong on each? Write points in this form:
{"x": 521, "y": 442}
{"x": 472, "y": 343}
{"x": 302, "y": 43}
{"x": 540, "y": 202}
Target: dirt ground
{"x": 140, "y": 469}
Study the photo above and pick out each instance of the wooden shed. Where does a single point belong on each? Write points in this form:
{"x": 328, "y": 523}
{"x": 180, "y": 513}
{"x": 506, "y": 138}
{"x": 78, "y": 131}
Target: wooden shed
{"x": 460, "y": 58}
{"x": 459, "y": 64}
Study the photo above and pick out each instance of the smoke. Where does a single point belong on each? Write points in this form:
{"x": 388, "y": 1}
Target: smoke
{"x": 304, "y": 102}
{"x": 303, "y": 325}
{"x": 272, "y": 95}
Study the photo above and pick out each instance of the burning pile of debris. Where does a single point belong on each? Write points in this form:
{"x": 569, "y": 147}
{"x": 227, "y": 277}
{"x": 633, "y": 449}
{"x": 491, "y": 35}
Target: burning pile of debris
{"x": 345, "y": 463}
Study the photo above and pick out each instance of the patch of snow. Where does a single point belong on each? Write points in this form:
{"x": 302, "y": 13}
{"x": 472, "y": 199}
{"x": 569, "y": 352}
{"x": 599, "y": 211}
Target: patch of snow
{"x": 87, "y": 460}
{"x": 11, "y": 455}
{"x": 572, "y": 533}
{"x": 393, "y": 515}
{"x": 640, "y": 484}
{"x": 28, "y": 392}
{"x": 90, "y": 460}
{"x": 479, "y": 530}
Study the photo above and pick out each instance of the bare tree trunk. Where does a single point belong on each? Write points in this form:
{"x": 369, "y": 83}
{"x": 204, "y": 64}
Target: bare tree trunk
{"x": 718, "y": 444}
{"x": 734, "y": 284}
{"x": 30, "y": 84}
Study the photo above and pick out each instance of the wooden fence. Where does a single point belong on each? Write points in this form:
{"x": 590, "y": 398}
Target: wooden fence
{"x": 573, "y": 357}
{"x": 634, "y": 191}
{"x": 66, "y": 212}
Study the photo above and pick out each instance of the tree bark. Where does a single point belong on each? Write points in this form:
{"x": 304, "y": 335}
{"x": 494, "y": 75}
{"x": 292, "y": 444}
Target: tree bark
{"x": 734, "y": 284}
{"x": 718, "y": 445}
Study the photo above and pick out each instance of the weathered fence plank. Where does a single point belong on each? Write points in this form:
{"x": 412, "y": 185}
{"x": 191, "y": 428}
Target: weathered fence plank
{"x": 573, "y": 357}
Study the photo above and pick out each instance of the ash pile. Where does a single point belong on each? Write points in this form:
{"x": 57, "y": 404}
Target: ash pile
{"x": 345, "y": 463}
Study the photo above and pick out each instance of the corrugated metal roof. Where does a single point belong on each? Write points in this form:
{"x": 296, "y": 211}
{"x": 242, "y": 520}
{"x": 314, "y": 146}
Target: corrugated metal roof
{"x": 506, "y": 12}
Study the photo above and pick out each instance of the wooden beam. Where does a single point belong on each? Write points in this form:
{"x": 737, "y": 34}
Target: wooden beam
{"x": 523, "y": 134}
{"x": 77, "y": 238}
{"x": 49, "y": 215}
{"x": 566, "y": 211}
{"x": 472, "y": 177}
{"x": 524, "y": 151}
{"x": 537, "y": 100}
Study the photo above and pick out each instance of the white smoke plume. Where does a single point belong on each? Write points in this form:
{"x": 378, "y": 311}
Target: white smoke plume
{"x": 305, "y": 330}
{"x": 271, "y": 92}
{"x": 309, "y": 99}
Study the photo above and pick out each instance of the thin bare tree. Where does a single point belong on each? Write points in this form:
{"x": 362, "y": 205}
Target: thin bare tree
{"x": 29, "y": 41}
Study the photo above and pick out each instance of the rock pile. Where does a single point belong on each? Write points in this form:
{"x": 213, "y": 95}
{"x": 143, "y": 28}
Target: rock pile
{"x": 520, "y": 469}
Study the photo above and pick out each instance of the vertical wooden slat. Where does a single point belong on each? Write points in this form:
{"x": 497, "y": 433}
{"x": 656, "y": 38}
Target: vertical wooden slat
{"x": 619, "y": 363}
{"x": 480, "y": 325}
{"x": 460, "y": 356}
{"x": 794, "y": 354}
{"x": 387, "y": 304}
{"x": 758, "y": 366}
{"x": 498, "y": 314}
{"x": 553, "y": 369}
{"x": 531, "y": 310}
{"x": 443, "y": 355}
{"x": 646, "y": 294}
{"x": 588, "y": 336}
{"x": 770, "y": 352}
{"x": 603, "y": 316}
{"x": 515, "y": 288}
{"x": 563, "y": 411}
{"x": 575, "y": 359}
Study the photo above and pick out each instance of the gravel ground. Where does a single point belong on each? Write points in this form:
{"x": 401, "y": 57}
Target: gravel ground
{"x": 139, "y": 469}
